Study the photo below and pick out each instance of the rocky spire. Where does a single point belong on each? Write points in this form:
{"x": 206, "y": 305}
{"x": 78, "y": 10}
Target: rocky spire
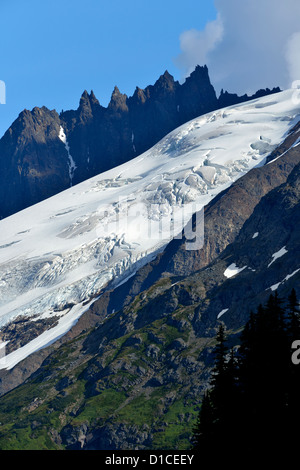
{"x": 85, "y": 99}
{"x": 118, "y": 101}
{"x": 93, "y": 99}
{"x": 165, "y": 83}
{"x": 87, "y": 105}
{"x": 85, "y": 108}
{"x": 199, "y": 75}
{"x": 139, "y": 96}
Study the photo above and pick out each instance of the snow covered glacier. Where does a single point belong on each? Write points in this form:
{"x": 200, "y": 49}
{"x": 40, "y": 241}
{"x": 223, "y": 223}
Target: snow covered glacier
{"x": 56, "y": 255}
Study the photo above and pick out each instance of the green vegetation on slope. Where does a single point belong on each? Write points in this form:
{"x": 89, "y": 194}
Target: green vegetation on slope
{"x": 145, "y": 382}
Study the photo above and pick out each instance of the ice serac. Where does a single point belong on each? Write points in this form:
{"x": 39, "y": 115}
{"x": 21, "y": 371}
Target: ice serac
{"x": 60, "y": 253}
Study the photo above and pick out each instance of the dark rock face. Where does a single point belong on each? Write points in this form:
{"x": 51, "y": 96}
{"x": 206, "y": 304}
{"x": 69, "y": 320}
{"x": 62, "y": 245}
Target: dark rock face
{"x": 34, "y": 162}
{"x": 21, "y": 331}
{"x": 228, "y": 99}
{"x": 101, "y": 138}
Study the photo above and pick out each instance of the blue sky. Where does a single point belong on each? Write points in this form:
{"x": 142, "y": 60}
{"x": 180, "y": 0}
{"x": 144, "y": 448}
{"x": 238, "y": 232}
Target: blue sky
{"x": 51, "y": 51}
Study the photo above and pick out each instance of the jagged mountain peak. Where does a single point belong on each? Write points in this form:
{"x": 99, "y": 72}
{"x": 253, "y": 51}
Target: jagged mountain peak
{"x": 166, "y": 78}
{"x": 200, "y": 72}
{"x": 139, "y": 96}
{"x": 118, "y": 101}
{"x": 164, "y": 86}
{"x": 85, "y": 96}
{"x": 36, "y": 112}
{"x": 89, "y": 98}
{"x": 39, "y": 124}
{"x": 84, "y": 99}
{"x": 88, "y": 108}
{"x": 93, "y": 99}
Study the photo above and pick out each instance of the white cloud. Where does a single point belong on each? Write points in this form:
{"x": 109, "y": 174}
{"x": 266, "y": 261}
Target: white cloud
{"x": 252, "y": 44}
{"x": 293, "y": 56}
{"x": 196, "y": 45}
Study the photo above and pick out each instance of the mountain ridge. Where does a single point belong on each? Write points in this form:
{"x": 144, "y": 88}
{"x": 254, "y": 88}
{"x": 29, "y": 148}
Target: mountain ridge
{"x": 35, "y": 162}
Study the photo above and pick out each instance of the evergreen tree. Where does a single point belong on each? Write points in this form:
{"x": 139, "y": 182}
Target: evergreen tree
{"x": 293, "y": 316}
{"x": 203, "y": 431}
{"x": 216, "y": 417}
{"x": 255, "y": 396}
{"x": 293, "y": 384}
{"x": 218, "y": 381}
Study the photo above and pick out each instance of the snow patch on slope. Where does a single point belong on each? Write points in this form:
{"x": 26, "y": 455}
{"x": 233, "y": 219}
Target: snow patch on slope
{"x": 277, "y": 255}
{"x": 232, "y": 270}
{"x": 275, "y": 286}
{"x": 222, "y": 313}
{"x": 71, "y": 163}
{"x": 65, "y": 323}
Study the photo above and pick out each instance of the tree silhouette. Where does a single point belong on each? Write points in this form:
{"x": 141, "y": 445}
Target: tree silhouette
{"x": 255, "y": 392}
